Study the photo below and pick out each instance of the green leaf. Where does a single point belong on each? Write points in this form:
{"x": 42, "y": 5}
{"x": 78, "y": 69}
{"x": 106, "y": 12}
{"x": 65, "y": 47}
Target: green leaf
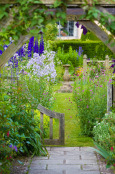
{"x": 20, "y": 162}
{"x": 108, "y": 165}
{"x": 102, "y": 151}
{"x": 112, "y": 25}
{"x": 57, "y": 3}
{"x": 95, "y": 15}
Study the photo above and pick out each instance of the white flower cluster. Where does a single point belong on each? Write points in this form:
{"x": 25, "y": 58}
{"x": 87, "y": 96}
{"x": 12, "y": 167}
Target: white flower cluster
{"x": 42, "y": 65}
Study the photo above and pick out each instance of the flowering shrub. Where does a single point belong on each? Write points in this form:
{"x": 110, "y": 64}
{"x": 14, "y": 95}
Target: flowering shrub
{"x": 42, "y": 65}
{"x": 91, "y": 99}
{"x": 6, "y": 152}
{"x": 95, "y": 69}
{"x": 79, "y": 71}
{"x": 104, "y": 131}
{"x": 18, "y": 130}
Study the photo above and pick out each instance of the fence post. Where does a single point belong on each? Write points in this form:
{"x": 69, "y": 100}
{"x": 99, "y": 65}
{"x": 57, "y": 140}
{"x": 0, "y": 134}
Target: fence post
{"x": 107, "y": 62}
{"x": 85, "y": 64}
{"x": 113, "y": 91}
{"x": 109, "y": 96}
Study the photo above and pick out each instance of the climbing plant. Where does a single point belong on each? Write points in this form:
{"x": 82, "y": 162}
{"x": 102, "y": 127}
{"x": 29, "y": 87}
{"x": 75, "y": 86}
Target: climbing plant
{"x": 22, "y": 19}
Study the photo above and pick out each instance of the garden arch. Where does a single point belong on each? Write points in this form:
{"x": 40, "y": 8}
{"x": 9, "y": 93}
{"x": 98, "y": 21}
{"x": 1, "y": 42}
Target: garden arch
{"x": 74, "y": 11}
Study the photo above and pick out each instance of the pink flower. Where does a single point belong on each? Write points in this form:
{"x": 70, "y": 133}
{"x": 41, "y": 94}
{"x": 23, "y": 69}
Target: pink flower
{"x": 87, "y": 106}
{"x": 101, "y": 86}
{"x": 110, "y": 80}
{"x": 111, "y": 148}
{"x": 8, "y": 133}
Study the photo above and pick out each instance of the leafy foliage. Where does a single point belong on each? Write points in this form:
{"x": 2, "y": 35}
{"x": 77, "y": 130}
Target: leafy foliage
{"x": 23, "y": 17}
{"x": 90, "y": 97}
{"x": 108, "y": 156}
{"x": 104, "y": 131}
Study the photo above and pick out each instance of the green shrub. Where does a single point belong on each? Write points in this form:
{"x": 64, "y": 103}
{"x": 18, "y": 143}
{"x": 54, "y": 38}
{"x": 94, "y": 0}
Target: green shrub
{"x": 104, "y": 131}
{"x": 60, "y": 72}
{"x": 90, "y": 96}
{"x": 90, "y": 48}
{"x": 71, "y": 57}
{"x": 17, "y": 117}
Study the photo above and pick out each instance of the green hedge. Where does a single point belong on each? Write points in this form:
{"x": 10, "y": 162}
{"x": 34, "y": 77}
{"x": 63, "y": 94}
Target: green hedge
{"x": 91, "y": 48}
{"x": 89, "y": 36}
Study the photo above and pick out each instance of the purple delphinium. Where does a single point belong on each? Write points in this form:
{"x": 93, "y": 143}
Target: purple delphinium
{"x": 36, "y": 48}
{"x": 30, "y": 46}
{"x": 14, "y": 61}
{"x": 41, "y": 50}
{"x": 84, "y": 29}
{"x": 21, "y": 52}
{"x": 80, "y": 51}
{"x": 0, "y": 52}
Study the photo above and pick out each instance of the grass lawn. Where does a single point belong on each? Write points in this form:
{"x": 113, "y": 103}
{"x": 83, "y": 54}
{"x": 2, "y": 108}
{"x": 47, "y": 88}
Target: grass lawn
{"x": 65, "y": 104}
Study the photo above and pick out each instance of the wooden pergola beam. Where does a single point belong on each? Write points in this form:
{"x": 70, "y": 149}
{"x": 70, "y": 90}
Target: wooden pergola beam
{"x": 100, "y": 33}
{"x": 73, "y": 2}
{"x": 12, "y": 49}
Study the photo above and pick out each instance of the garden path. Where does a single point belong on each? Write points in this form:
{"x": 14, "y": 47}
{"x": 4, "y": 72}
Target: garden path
{"x": 64, "y": 104}
{"x": 66, "y": 160}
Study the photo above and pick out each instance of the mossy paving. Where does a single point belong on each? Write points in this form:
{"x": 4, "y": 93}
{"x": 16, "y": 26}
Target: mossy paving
{"x": 64, "y": 104}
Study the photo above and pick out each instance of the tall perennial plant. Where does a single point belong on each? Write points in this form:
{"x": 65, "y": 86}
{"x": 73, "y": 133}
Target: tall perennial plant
{"x": 90, "y": 96}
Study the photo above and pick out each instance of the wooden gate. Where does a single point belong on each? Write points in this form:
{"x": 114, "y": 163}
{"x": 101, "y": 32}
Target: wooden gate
{"x": 52, "y": 115}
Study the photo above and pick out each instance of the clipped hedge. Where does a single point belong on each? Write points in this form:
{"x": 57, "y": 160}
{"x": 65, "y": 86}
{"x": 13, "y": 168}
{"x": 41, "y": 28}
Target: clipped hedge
{"x": 89, "y": 36}
{"x": 91, "y": 48}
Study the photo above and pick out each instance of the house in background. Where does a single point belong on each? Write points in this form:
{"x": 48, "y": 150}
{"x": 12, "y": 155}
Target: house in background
{"x": 69, "y": 31}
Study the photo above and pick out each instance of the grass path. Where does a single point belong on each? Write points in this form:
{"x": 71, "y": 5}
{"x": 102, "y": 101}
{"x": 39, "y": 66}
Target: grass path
{"x": 65, "y": 104}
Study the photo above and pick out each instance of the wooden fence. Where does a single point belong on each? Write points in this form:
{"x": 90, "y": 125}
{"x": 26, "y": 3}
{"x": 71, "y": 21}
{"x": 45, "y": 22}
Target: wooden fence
{"x": 106, "y": 62}
{"x": 52, "y": 115}
{"x": 49, "y": 113}
{"x": 110, "y": 94}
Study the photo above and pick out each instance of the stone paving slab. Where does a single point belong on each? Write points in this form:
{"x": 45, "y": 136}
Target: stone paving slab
{"x": 71, "y": 161}
{"x": 66, "y": 160}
